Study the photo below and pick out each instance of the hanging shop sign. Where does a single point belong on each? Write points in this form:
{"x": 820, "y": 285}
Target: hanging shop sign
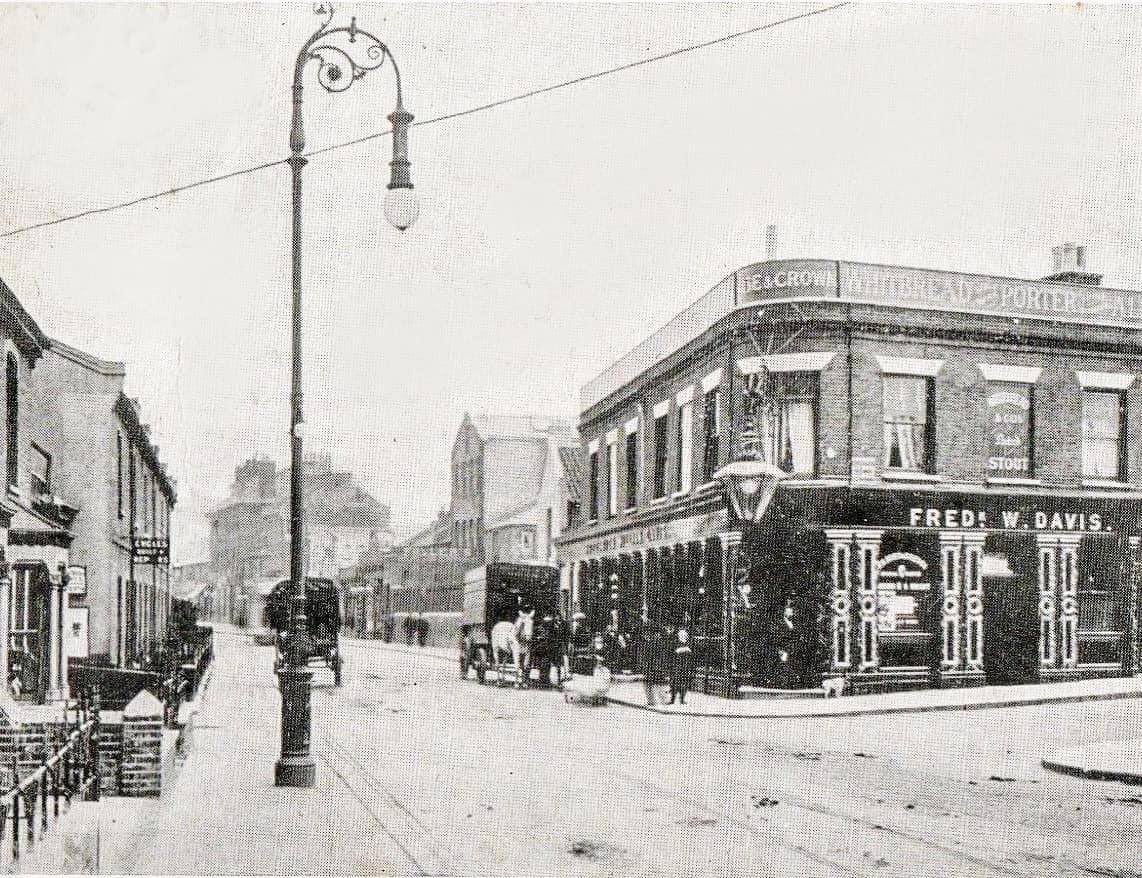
{"x": 150, "y": 550}
{"x": 1009, "y": 430}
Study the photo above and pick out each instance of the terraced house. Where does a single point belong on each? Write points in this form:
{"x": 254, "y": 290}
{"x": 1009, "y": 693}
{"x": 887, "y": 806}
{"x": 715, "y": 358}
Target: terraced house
{"x": 963, "y": 478}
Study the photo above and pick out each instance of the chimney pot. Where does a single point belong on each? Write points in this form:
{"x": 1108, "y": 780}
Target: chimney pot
{"x": 770, "y": 241}
{"x": 1057, "y": 257}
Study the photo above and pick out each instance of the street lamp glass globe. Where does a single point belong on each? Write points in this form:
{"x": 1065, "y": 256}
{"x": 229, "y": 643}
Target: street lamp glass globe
{"x": 401, "y": 207}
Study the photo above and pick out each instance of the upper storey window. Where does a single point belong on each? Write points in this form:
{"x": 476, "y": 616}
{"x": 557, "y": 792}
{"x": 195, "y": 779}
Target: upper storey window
{"x": 661, "y": 439}
{"x": 789, "y": 422}
{"x": 1104, "y": 424}
{"x": 908, "y": 423}
{"x": 908, "y": 392}
{"x": 783, "y": 390}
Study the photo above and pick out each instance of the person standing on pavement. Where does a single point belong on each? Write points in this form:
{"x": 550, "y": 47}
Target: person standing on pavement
{"x": 681, "y": 665}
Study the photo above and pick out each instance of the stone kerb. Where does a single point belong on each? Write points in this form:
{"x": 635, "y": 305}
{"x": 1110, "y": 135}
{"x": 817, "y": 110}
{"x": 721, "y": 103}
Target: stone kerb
{"x": 140, "y": 772}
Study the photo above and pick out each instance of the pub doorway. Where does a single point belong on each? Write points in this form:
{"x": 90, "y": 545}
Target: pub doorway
{"x": 1010, "y": 630}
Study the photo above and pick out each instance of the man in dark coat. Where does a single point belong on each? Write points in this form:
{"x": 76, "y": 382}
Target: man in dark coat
{"x": 681, "y": 665}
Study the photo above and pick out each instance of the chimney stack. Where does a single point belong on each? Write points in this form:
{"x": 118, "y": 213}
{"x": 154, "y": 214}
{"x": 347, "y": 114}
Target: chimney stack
{"x": 770, "y": 241}
{"x": 1069, "y": 265}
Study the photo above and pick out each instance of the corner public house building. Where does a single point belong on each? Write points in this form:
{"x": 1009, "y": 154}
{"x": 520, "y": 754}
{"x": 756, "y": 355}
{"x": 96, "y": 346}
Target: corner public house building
{"x": 964, "y": 478}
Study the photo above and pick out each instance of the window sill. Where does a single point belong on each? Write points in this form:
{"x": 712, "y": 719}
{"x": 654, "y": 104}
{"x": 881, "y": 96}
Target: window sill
{"x": 903, "y": 475}
{"x": 659, "y": 500}
{"x": 677, "y": 494}
{"x": 707, "y": 486}
{"x": 1109, "y": 483}
{"x": 630, "y": 509}
{"x": 999, "y": 480}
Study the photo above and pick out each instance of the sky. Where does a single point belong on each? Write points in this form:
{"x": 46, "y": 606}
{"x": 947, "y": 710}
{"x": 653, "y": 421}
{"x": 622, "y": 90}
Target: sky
{"x": 554, "y": 233}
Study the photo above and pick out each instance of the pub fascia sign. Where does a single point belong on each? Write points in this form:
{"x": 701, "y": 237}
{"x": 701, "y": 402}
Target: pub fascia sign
{"x": 940, "y": 290}
{"x": 1006, "y": 519}
{"x": 669, "y": 532}
{"x": 964, "y": 292}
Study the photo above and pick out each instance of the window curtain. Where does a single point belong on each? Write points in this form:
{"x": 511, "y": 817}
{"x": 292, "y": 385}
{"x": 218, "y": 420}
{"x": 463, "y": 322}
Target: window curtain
{"x": 788, "y": 424}
{"x": 799, "y": 441}
{"x": 905, "y": 421}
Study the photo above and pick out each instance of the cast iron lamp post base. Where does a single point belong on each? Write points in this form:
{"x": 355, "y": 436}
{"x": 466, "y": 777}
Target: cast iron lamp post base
{"x": 295, "y": 768}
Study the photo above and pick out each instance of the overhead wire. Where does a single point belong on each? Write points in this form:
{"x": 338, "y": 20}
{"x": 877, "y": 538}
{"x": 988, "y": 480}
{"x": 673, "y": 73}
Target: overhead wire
{"x": 445, "y": 117}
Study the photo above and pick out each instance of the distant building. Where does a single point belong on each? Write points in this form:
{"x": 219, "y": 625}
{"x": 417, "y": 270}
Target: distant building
{"x": 249, "y": 531}
{"x": 420, "y": 575}
{"x": 510, "y": 500}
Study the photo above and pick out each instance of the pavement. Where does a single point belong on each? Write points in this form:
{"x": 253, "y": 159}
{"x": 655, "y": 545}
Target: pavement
{"x": 633, "y": 694}
{"x": 1103, "y": 760}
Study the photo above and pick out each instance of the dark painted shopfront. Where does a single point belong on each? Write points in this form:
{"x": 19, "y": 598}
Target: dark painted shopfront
{"x": 944, "y": 588}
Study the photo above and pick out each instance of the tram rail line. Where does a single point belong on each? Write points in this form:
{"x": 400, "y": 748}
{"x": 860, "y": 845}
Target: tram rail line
{"x": 427, "y": 859}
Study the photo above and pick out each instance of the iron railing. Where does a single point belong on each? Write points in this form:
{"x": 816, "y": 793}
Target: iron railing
{"x": 68, "y": 768}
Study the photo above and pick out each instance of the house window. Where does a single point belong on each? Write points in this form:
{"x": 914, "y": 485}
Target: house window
{"x": 41, "y": 471}
{"x": 13, "y": 422}
{"x": 612, "y": 475}
{"x": 711, "y": 421}
{"x": 1103, "y": 416}
{"x": 594, "y": 487}
{"x": 908, "y": 423}
{"x": 789, "y": 422}
{"x": 660, "y": 439}
{"x": 526, "y": 540}
{"x": 685, "y": 464}
{"x": 632, "y": 469}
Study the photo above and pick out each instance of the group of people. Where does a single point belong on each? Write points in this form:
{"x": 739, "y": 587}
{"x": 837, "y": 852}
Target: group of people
{"x": 664, "y": 656}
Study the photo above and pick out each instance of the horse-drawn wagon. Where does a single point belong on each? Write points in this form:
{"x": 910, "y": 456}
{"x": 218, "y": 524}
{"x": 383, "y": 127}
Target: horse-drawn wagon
{"x": 322, "y": 623}
{"x": 510, "y": 621}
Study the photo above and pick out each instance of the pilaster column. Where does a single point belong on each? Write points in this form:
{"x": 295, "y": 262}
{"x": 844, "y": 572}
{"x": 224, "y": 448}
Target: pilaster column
{"x": 53, "y": 633}
{"x": 731, "y": 544}
{"x": 868, "y": 557}
{"x": 951, "y": 613}
{"x": 1048, "y": 569}
{"x": 973, "y": 600}
{"x": 840, "y": 580}
{"x": 1069, "y": 605}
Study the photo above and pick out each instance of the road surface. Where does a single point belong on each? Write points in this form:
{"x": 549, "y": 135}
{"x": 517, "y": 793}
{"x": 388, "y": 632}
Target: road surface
{"x": 421, "y": 773}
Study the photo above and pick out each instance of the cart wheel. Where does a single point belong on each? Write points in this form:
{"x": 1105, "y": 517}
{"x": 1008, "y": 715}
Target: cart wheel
{"x": 336, "y": 670}
{"x": 481, "y": 666}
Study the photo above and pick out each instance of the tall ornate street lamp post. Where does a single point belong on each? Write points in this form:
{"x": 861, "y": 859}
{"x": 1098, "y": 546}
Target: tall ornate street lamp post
{"x": 343, "y": 55}
{"x": 750, "y": 483}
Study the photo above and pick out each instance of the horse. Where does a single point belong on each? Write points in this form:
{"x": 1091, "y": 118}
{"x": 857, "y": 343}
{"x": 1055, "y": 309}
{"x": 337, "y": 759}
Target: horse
{"x": 515, "y": 637}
